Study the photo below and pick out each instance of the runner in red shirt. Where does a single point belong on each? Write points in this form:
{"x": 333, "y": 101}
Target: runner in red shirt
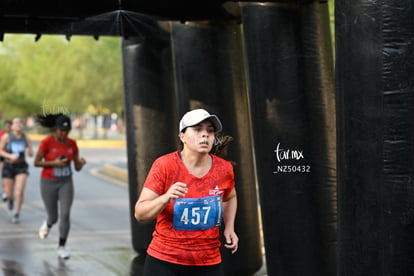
{"x": 56, "y": 154}
{"x": 190, "y": 192}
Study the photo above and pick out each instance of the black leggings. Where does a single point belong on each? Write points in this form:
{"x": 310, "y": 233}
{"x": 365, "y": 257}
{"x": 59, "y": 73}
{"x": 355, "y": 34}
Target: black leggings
{"x": 155, "y": 266}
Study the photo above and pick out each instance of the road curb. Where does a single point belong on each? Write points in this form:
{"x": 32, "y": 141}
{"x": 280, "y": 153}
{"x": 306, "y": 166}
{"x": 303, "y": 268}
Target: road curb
{"x": 91, "y": 143}
{"x": 116, "y": 171}
{"x": 112, "y": 174}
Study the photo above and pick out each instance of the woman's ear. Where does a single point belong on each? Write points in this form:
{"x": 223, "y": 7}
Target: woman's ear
{"x": 181, "y": 136}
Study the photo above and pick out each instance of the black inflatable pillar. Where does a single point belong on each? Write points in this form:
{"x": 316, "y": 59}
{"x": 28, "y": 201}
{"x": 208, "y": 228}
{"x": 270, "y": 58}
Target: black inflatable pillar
{"x": 375, "y": 100}
{"x": 290, "y": 77}
{"x": 151, "y": 129}
{"x": 209, "y": 73}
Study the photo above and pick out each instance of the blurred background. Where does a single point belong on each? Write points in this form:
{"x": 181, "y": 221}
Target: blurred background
{"x": 78, "y": 76}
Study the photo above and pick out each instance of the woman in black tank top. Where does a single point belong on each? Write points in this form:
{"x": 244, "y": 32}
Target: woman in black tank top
{"x": 15, "y": 169}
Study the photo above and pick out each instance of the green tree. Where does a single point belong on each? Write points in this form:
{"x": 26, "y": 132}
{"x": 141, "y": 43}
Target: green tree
{"x": 56, "y": 75}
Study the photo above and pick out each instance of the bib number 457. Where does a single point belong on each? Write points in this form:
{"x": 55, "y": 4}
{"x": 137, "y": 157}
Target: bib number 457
{"x": 195, "y": 216}
{"x": 197, "y": 213}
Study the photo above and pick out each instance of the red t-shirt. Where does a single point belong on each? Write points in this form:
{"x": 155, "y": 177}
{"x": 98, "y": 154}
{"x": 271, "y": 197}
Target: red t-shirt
{"x": 197, "y": 247}
{"x": 2, "y": 132}
{"x": 53, "y": 149}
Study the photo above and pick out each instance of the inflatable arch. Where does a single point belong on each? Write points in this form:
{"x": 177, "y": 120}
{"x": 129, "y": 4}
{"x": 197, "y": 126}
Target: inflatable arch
{"x": 304, "y": 143}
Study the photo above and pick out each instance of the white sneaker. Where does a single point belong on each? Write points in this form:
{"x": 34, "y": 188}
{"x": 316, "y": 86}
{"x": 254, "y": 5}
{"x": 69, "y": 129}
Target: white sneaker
{"x": 16, "y": 219}
{"x": 63, "y": 253}
{"x": 43, "y": 230}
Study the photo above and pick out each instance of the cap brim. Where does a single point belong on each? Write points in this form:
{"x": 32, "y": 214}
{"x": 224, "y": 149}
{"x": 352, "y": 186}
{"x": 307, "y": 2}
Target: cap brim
{"x": 214, "y": 119}
{"x": 216, "y": 122}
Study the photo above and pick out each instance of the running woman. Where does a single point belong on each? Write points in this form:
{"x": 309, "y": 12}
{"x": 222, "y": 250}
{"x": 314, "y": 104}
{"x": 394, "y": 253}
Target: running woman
{"x": 56, "y": 153}
{"x": 190, "y": 193}
{"x": 15, "y": 168}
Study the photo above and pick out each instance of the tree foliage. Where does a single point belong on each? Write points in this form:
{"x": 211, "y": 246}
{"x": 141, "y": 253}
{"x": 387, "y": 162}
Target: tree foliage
{"x": 56, "y": 75}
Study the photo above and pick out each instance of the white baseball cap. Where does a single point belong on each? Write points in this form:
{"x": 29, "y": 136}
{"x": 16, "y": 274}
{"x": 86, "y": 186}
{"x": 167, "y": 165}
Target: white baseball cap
{"x": 196, "y": 116}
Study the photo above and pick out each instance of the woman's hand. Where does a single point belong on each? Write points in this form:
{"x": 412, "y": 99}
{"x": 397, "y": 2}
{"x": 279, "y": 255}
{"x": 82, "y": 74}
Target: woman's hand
{"x": 79, "y": 162}
{"x": 150, "y": 204}
{"x": 82, "y": 161}
{"x": 13, "y": 157}
{"x": 178, "y": 189}
{"x": 232, "y": 241}
{"x": 60, "y": 161}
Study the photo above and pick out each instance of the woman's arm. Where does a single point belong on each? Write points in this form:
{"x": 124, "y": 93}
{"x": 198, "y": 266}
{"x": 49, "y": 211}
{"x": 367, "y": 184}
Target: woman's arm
{"x": 39, "y": 161}
{"x": 150, "y": 204}
{"x": 3, "y": 142}
{"x": 29, "y": 147}
{"x": 79, "y": 162}
{"x": 229, "y": 217}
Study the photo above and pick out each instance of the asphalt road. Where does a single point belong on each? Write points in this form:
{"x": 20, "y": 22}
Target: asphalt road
{"x": 99, "y": 240}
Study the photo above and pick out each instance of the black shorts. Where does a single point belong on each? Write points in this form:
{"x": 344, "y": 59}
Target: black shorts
{"x": 155, "y": 266}
{"x": 10, "y": 170}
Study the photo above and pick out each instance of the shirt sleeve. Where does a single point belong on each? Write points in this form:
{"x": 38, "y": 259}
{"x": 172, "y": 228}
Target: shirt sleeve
{"x": 75, "y": 148}
{"x": 156, "y": 178}
{"x": 43, "y": 145}
{"x": 231, "y": 182}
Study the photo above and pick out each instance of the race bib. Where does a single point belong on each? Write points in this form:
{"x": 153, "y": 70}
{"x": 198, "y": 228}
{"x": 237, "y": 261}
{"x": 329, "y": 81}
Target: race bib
{"x": 18, "y": 148}
{"x": 64, "y": 171}
{"x": 193, "y": 214}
